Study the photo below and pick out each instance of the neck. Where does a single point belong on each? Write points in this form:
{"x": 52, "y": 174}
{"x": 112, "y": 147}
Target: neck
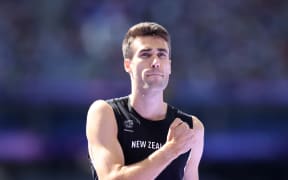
{"x": 149, "y": 106}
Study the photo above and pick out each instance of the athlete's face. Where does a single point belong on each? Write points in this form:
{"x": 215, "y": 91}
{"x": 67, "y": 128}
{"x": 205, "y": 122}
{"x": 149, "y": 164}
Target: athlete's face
{"x": 150, "y": 65}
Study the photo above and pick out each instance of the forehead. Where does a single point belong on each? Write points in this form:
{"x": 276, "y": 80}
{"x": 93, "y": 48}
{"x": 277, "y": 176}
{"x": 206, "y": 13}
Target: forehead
{"x": 145, "y": 42}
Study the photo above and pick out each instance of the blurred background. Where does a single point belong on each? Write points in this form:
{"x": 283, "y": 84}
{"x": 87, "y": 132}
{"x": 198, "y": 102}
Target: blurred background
{"x": 230, "y": 69}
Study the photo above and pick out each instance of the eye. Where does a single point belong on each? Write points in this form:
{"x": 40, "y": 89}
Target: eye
{"x": 145, "y": 55}
{"x": 162, "y": 55}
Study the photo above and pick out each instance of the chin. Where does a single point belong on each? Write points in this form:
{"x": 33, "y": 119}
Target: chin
{"x": 155, "y": 86}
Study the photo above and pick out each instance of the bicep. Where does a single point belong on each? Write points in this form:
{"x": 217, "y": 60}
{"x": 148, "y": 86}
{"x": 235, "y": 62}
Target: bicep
{"x": 101, "y": 130}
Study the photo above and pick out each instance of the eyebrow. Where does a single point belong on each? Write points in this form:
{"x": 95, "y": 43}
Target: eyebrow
{"x": 149, "y": 49}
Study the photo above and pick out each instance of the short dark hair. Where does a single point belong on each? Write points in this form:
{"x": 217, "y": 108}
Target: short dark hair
{"x": 143, "y": 29}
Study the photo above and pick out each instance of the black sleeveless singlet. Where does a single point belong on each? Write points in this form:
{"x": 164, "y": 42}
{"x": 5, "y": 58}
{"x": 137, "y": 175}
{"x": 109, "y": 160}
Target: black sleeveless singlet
{"x": 140, "y": 137}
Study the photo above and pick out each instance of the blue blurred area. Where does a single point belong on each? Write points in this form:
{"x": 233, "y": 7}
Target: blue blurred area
{"x": 230, "y": 69}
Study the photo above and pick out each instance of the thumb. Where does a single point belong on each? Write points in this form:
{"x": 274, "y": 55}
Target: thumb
{"x": 170, "y": 133}
{"x": 172, "y": 127}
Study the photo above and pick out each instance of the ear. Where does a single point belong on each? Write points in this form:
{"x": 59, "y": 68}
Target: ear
{"x": 127, "y": 63}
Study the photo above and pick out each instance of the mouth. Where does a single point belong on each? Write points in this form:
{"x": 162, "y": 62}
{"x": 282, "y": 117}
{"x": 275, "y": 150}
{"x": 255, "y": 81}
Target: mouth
{"x": 155, "y": 74}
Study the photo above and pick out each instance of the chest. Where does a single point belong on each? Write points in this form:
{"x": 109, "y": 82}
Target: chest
{"x": 139, "y": 139}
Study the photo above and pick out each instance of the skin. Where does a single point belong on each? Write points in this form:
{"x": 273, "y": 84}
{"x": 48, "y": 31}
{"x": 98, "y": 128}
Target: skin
{"x": 149, "y": 70}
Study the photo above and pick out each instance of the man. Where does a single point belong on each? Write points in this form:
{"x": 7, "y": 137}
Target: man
{"x": 140, "y": 136}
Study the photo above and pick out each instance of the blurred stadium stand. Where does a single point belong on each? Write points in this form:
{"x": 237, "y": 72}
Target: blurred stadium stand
{"x": 230, "y": 68}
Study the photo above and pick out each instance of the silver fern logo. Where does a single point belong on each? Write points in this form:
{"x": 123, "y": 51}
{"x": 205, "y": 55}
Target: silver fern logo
{"x": 128, "y": 125}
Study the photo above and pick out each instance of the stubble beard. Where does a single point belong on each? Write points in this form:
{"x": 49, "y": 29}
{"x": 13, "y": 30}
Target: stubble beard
{"x": 155, "y": 84}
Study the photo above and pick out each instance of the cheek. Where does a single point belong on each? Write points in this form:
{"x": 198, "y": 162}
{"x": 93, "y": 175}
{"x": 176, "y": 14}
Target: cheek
{"x": 168, "y": 68}
{"x": 137, "y": 71}
{"x": 140, "y": 67}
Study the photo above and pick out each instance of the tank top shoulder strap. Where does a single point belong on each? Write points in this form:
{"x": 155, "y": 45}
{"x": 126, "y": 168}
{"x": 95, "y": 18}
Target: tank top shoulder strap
{"x": 119, "y": 106}
{"x": 182, "y": 115}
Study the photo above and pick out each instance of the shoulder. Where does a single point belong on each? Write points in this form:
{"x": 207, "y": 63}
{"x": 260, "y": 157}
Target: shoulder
{"x": 99, "y": 111}
{"x": 104, "y": 106}
{"x": 99, "y": 106}
{"x": 100, "y": 119}
{"x": 197, "y": 124}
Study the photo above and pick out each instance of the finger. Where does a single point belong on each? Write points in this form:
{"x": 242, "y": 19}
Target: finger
{"x": 183, "y": 126}
{"x": 179, "y": 124}
{"x": 176, "y": 123}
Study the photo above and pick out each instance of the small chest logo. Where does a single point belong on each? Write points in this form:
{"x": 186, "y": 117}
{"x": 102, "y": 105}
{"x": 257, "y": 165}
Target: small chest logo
{"x": 128, "y": 125}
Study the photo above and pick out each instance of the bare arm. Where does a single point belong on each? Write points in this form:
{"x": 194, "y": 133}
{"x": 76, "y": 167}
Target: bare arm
{"x": 106, "y": 153}
{"x": 191, "y": 169}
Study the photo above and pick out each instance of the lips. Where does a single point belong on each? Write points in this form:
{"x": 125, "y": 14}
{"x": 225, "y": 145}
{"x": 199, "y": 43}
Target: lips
{"x": 155, "y": 74}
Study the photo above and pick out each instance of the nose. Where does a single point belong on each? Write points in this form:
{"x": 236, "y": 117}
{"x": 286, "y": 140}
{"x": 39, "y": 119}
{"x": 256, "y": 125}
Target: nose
{"x": 155, "y": 63}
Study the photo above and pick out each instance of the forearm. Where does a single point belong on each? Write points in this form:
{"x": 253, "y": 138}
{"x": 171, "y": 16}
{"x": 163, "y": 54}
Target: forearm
{"x": 148, "y": 168}
{"x": 192, "y": 165}
{"x": 191, "y": 172}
